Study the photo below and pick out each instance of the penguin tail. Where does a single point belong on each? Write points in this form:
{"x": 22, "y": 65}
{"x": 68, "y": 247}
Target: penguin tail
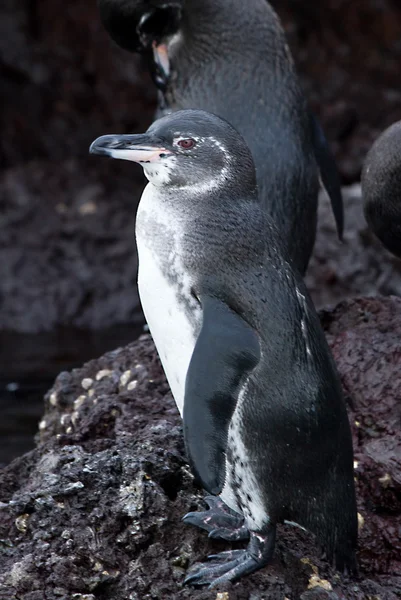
{"x": 340, "y": 550}
{"x": 337, "y": 534}
{"x": 329, "y": 176}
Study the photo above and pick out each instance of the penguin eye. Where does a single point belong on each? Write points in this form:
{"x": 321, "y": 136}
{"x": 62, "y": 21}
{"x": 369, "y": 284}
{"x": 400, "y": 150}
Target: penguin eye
{"x": 186, "y": 144}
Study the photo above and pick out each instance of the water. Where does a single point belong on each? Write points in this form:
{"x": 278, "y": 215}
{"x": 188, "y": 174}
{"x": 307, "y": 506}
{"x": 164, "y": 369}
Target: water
{"x": 29, "y": 363}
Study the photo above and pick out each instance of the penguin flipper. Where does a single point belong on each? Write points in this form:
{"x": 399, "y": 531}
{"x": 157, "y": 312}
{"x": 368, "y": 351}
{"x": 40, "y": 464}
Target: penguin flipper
{"x": 328, "y": 173}
{"x": 226, "y": 351}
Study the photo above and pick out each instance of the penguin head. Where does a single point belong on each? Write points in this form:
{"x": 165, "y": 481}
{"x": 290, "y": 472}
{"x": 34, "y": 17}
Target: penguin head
{"x": 139, "y": 25}
{"x": 189, "y": 149}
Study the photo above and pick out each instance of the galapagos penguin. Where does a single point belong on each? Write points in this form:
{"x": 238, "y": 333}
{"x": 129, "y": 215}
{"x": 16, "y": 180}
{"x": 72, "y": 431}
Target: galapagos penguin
{"x": 381, "y": 188}
{"x": 265, "y": 423}
{"x": 230, "y": 57}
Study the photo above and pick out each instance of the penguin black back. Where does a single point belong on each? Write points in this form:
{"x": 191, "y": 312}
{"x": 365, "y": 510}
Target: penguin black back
{"x": 231, "y": 58}
{"x": 381, "y": 188}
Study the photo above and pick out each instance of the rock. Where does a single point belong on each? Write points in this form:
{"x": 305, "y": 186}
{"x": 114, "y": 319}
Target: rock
{"x": 319, "y": 593}
{"x": 95, "y": 510}
{"x": 67, "y": 241}
{"x": 348, "y": 56}
{"x": 61, "y": 266}
{"x": 365, "y": 337}
{"x": 358, "y": 266}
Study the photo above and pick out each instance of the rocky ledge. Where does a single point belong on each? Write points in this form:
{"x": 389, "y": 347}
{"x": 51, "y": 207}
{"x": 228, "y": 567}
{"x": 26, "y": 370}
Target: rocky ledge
{"x": 94, "y": 512}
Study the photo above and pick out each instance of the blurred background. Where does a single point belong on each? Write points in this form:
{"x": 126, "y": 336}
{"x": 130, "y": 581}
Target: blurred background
{"x": 67, "y": 248}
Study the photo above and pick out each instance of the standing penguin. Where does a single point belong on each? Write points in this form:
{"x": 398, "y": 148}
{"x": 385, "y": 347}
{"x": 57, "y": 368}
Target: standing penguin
{"x": 381, "y": 188}
{"x": 230, "y": 57}
{"x": 265, "y": 424}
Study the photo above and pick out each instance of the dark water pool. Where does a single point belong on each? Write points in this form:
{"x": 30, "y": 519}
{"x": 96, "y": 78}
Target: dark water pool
{"x": 29, "y": 363}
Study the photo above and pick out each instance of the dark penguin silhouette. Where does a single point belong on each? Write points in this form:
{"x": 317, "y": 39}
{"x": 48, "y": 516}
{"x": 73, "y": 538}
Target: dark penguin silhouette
{"x": 230, "y": 57}
{"x": 265, "y": 424}
{"x": 381, "y": 188}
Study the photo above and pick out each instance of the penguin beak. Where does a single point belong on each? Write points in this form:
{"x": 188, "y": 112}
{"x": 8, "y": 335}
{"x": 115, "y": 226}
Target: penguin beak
{"x": 137, "y": 148}
{"x": 160, "y": 56}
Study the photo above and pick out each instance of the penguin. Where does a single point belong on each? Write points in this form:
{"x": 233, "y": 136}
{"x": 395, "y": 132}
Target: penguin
{"x": 381, "y": 188}
{"x": 231, "y": 58}
{"x": 265, "y": 423}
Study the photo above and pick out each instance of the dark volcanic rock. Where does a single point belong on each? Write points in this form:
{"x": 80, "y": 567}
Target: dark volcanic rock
{"x": 365, "y": 337}
{"x": 67, "y": 243}
{"x": 63, "y": 82}
{"x": 358, "y": 266}
{"x": 94, "y": 512}
{"x": 66, "y": 222}
{"x": 348, "y": 55}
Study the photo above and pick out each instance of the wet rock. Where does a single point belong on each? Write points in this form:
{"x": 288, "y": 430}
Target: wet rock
{"x": 95, "y": 510}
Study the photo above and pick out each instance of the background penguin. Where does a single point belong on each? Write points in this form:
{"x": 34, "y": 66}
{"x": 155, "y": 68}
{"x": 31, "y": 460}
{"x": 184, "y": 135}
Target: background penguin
{"x": 265, "y": 424}
{"x": 381, "y": 188}
{"x": 230, "y": 57}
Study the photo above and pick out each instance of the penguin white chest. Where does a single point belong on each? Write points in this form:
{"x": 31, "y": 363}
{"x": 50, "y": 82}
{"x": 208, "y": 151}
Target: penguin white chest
{"x": 172, "y": 314}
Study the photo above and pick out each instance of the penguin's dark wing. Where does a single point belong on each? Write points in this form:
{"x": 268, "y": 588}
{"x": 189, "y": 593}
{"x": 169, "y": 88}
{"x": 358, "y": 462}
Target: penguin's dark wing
{"x": 328, "y": 173}
{"x": 226, "y": 351}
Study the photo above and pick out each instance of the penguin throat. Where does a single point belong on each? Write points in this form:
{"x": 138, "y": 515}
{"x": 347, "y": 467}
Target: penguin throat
{"x": 159, "y": 173}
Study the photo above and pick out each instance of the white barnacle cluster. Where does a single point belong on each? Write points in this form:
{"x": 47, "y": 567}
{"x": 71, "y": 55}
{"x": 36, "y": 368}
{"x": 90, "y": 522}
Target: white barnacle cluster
{"x": 126, "y": 380}
{"x": 69, "y": 420}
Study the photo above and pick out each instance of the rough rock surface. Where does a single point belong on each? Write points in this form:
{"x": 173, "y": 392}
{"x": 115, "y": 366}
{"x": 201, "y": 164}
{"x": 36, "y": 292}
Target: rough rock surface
{"x": 94, "y": 512}
{"x": 66, "y": 221}
{"x": 67, "y": 241}
{"x": 357, "y": 266}
{"x": 348, "y": 55}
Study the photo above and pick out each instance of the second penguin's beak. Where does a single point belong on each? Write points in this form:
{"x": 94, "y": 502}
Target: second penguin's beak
{"x": 141, "y": 148}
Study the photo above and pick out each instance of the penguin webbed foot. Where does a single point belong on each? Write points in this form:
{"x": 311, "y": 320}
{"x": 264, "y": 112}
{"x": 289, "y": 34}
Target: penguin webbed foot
{"x": 219, "y": 521}
{"x": 234, "y": 564}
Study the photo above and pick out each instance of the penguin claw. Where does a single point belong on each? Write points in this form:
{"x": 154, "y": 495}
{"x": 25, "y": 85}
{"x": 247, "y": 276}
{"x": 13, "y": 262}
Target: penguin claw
{"x": 233, "y": 564}
{"x": 216, "y": 503}
{"x": 230, "y": 535}
{"x": 226, "y": 556}
{"x": 222, "y": 569}
{"x": 219, "y": 521}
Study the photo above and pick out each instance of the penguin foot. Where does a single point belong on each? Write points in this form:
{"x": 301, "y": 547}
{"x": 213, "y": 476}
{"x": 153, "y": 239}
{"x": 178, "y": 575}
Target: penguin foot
{"x": 232, "y": 565}
{"x": 219, "y": 521}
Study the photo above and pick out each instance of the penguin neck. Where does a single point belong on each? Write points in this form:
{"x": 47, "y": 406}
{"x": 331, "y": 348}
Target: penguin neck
{"x": 225, "y": 181}
{"x": 218, "y": 31}
{"x": 192, "y": 202}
